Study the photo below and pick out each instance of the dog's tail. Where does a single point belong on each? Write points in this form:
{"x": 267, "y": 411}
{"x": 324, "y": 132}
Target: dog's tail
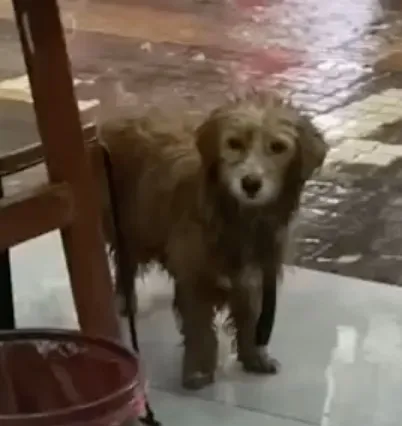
{"x": 117, "y": 251}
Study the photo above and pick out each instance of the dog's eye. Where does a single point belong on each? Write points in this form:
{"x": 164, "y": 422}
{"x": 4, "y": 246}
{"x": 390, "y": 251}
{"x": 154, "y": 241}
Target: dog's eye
{"x": 236, "y": 144}
{"x": 278, "y": 147}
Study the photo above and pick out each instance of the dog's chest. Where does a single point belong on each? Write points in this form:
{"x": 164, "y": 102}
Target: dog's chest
{"x": 240, "y": 246}
{"x": 249, "y": 276}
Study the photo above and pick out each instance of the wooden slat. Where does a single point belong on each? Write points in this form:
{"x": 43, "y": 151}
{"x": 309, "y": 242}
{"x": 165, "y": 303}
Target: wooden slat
{"x": 23, "y": 158}
{"x": 32, "y": 213}
{"x": 7, "y": 317}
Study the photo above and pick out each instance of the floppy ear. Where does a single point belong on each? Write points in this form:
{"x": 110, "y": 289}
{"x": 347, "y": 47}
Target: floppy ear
{"x": 313, "y": 148}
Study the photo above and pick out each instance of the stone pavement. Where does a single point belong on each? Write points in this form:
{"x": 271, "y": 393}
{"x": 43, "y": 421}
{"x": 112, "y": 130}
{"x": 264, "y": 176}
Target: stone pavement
{"x": 340, "y": 61}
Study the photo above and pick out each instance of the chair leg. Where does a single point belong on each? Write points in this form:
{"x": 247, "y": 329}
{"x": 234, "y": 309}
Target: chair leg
{"x": 7, "y": 321}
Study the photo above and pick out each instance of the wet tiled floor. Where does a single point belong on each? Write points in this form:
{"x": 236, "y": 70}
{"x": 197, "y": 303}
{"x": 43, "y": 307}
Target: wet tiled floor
{"x": 339, "y": 340}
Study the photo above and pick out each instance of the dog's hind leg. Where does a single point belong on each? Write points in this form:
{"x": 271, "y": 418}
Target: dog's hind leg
{"x": 126, "y": 270}
{"x": 266, "y": 319}
{"x": 200, "y": 342}
{"x": 176, "y": 311}
{"x": 125, "y": 285}
{"x": 247, "y": 310}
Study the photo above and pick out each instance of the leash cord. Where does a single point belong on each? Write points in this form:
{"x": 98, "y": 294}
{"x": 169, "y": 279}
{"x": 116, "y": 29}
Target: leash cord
{"x": 128, "y": 289}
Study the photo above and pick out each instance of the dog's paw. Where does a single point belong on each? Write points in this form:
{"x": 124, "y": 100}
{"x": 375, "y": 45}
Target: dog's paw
{"x": 260, "y": 362}
{"x": 197, "y": 380}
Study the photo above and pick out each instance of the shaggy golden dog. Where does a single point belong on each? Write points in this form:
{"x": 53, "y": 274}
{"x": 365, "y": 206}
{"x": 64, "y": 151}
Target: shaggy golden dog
{"x": 212, "y": 205}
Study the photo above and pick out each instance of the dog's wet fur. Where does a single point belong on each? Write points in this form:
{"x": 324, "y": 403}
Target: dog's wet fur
{"x": 212, "y": 205}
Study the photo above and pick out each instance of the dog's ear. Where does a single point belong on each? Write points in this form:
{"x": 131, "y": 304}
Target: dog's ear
{"x": 208, "y": 141}
{"x": 312, "y": 146}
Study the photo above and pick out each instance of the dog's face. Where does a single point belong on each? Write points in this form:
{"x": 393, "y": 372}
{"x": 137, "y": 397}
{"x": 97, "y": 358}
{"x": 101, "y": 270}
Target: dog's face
{"x": 253, "y": 141}
{"x": 256, "y": 149}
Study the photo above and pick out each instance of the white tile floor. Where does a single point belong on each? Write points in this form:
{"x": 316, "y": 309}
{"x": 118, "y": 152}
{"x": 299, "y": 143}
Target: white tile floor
{"x": 339, "y": 340}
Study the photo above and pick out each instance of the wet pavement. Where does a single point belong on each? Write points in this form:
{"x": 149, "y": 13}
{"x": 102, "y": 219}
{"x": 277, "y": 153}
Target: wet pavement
{"x": 340, "y": 61}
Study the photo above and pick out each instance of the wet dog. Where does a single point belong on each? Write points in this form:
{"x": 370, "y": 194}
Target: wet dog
{"x": 212, "y": 205}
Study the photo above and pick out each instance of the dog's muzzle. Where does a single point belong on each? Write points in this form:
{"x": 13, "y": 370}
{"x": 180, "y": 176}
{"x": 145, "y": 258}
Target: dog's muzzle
{"x": 251, "y": 185}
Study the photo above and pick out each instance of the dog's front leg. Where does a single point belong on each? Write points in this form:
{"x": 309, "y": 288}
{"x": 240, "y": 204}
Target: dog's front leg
{"x": 200, "y": 342}
{"x": 247, "y": 310}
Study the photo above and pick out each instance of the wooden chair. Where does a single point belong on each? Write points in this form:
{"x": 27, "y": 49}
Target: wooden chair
{"x": 70, "y": 202}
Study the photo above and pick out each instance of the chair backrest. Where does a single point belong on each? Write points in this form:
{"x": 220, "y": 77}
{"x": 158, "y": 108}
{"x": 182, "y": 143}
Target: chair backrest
{"x": 70, "y": 201}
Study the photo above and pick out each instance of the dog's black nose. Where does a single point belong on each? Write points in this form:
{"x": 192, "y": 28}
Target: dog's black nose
{"x": 251, "y": 185}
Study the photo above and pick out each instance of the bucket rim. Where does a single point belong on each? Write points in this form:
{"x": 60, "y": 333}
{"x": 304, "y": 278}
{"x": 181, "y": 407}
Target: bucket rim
{"x": 119, "y": 398}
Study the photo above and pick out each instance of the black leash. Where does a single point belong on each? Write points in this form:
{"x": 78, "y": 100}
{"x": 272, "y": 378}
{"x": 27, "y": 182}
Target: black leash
{"x": 128, "y": 290}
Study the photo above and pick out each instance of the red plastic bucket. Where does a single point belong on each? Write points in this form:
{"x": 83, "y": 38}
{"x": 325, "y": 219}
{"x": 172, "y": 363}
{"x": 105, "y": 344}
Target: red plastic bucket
{"x": 60, "y": 378}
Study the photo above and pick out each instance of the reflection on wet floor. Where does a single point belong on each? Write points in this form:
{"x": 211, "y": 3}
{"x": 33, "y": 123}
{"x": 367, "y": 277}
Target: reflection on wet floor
{"x": 353, "y": 228}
